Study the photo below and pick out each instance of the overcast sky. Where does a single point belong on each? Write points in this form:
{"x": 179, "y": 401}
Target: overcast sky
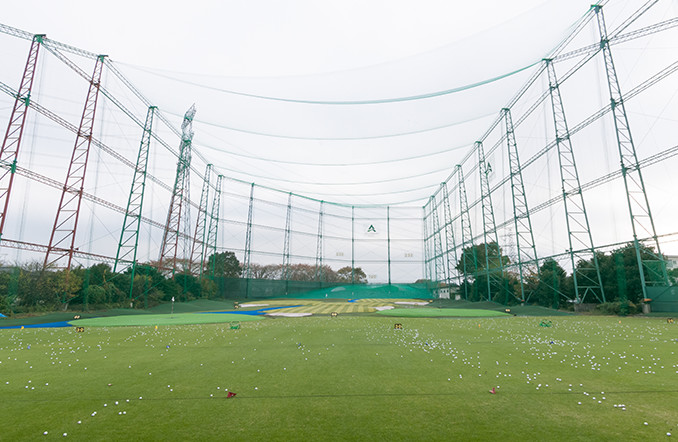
{"x": 289, "y": 53}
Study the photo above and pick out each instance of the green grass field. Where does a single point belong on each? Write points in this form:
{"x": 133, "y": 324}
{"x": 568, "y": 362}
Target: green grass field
{"x": 345, "y": 378}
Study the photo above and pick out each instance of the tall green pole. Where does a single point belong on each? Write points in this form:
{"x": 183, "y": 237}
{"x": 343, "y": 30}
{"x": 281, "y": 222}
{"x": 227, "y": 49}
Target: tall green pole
{"x": 388, "y": 240}
{"x": 248, "y": 243}
{"x": 285, "y": 274}
{"x": 449, "y": 236}
{"x": 427, "y": 272}
{"x": 129, "y": 235}
{"x": 197, "y": 259}
{"x": 438, "y": 263}
{"x": 213, "y": 229}
{"x": 352, "y": 245}
{"x": 466, "y": 234}
{"x": 489, "y": 225}
{"x": 636, "y": 196}
{"x": 577, "y": 221}
{"x": 527, "y": 252}
{"x": 319, "y": 248}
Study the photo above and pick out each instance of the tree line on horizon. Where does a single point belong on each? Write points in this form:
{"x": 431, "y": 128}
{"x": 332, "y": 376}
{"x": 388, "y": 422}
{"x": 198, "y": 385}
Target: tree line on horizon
{"x": 28, "y": 287}
{"x": 550, "y": 285}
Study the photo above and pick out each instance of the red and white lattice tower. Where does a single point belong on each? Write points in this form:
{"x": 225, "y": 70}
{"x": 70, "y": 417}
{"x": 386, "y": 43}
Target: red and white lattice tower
{"x": 15, "y": 129}
{"x": 62, "y": 241}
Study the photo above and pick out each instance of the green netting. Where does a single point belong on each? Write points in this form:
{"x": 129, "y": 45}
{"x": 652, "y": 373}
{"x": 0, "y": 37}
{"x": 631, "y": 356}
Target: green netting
{"x": 266, "y": 288}
{"x": 399, "y": 291}
{"x": 664, "y": 299}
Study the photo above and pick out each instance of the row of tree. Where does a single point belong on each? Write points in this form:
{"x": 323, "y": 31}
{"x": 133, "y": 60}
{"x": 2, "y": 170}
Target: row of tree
{"x": 29, "y": 287}
{"x": 550, "y": 285}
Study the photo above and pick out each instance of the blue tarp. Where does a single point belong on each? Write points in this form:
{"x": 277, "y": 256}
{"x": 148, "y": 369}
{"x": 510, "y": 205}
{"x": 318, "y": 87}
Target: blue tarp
{"x": 46, "y": 325}
{"x": 2, "y": 316}
{"x": 256, "y": 312}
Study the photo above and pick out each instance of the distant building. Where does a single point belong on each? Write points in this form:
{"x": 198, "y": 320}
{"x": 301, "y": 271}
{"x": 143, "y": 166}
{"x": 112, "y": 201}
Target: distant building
{"x": 445, "y": 291}
{"x": 671, "y": 262}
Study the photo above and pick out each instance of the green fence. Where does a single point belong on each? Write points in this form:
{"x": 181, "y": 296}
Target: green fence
{"x": 664, "y": 299}
{"x": 267, "y": 288}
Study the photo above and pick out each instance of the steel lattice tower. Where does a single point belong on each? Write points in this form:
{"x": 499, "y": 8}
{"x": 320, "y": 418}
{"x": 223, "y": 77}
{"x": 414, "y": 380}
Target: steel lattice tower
{"x": 62, "y": 239}
{"x": 15, "y": 129}
{"x": 427, "y": 254}
{"x": 489, "y": 225}
{"x": 586, "y": 279}
{"x": 213, "y": 229}
{"x": 285, "y": 274}
{"x": 129, "y": 236}
{"x": 438, "y": 268}
{"x": 466, "y": 232}
{"x": 319, "y": 246}
{"x": 248, "y": 241}
{"x": 197, "y": 262}
{"x": 450, "y": 241}
{"x": 527, "y": 253}
{"x": 170, "y": 240}
{"x": 636, "y": 196}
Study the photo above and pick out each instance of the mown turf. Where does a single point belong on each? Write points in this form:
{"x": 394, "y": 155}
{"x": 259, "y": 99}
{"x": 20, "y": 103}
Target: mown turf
{"x": 428, "y": 312}
{"x": 345, "y": 378}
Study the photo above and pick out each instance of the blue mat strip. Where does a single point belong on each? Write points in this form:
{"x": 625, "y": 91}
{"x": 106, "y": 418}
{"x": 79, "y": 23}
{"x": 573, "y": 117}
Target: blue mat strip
{"x": 45, "y": 325}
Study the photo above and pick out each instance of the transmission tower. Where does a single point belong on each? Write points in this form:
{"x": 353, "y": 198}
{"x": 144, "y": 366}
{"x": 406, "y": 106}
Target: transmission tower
{"x": 319, "y": 246}
{"x": 62, "y": 239}
{"x": 173, "y": 226}
{"x": 586, "y": 278}
{"x": 213, "y": 229}
{"x": 12, "y": 141}
{"x": 489, "y": 226}
{"x": 466, "y": 234}
{"x": 527, "y": 253}
{"x": 197, "y": 262}
{"x": 129, "y": 236}
{"x": 450, "y": 241}
{"x": 636, "y": 197}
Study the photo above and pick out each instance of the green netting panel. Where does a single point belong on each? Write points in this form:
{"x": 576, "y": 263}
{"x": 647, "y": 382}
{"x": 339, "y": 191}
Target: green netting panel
{"x": 664, "y": 299}
{"x": 266, "y": 288}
